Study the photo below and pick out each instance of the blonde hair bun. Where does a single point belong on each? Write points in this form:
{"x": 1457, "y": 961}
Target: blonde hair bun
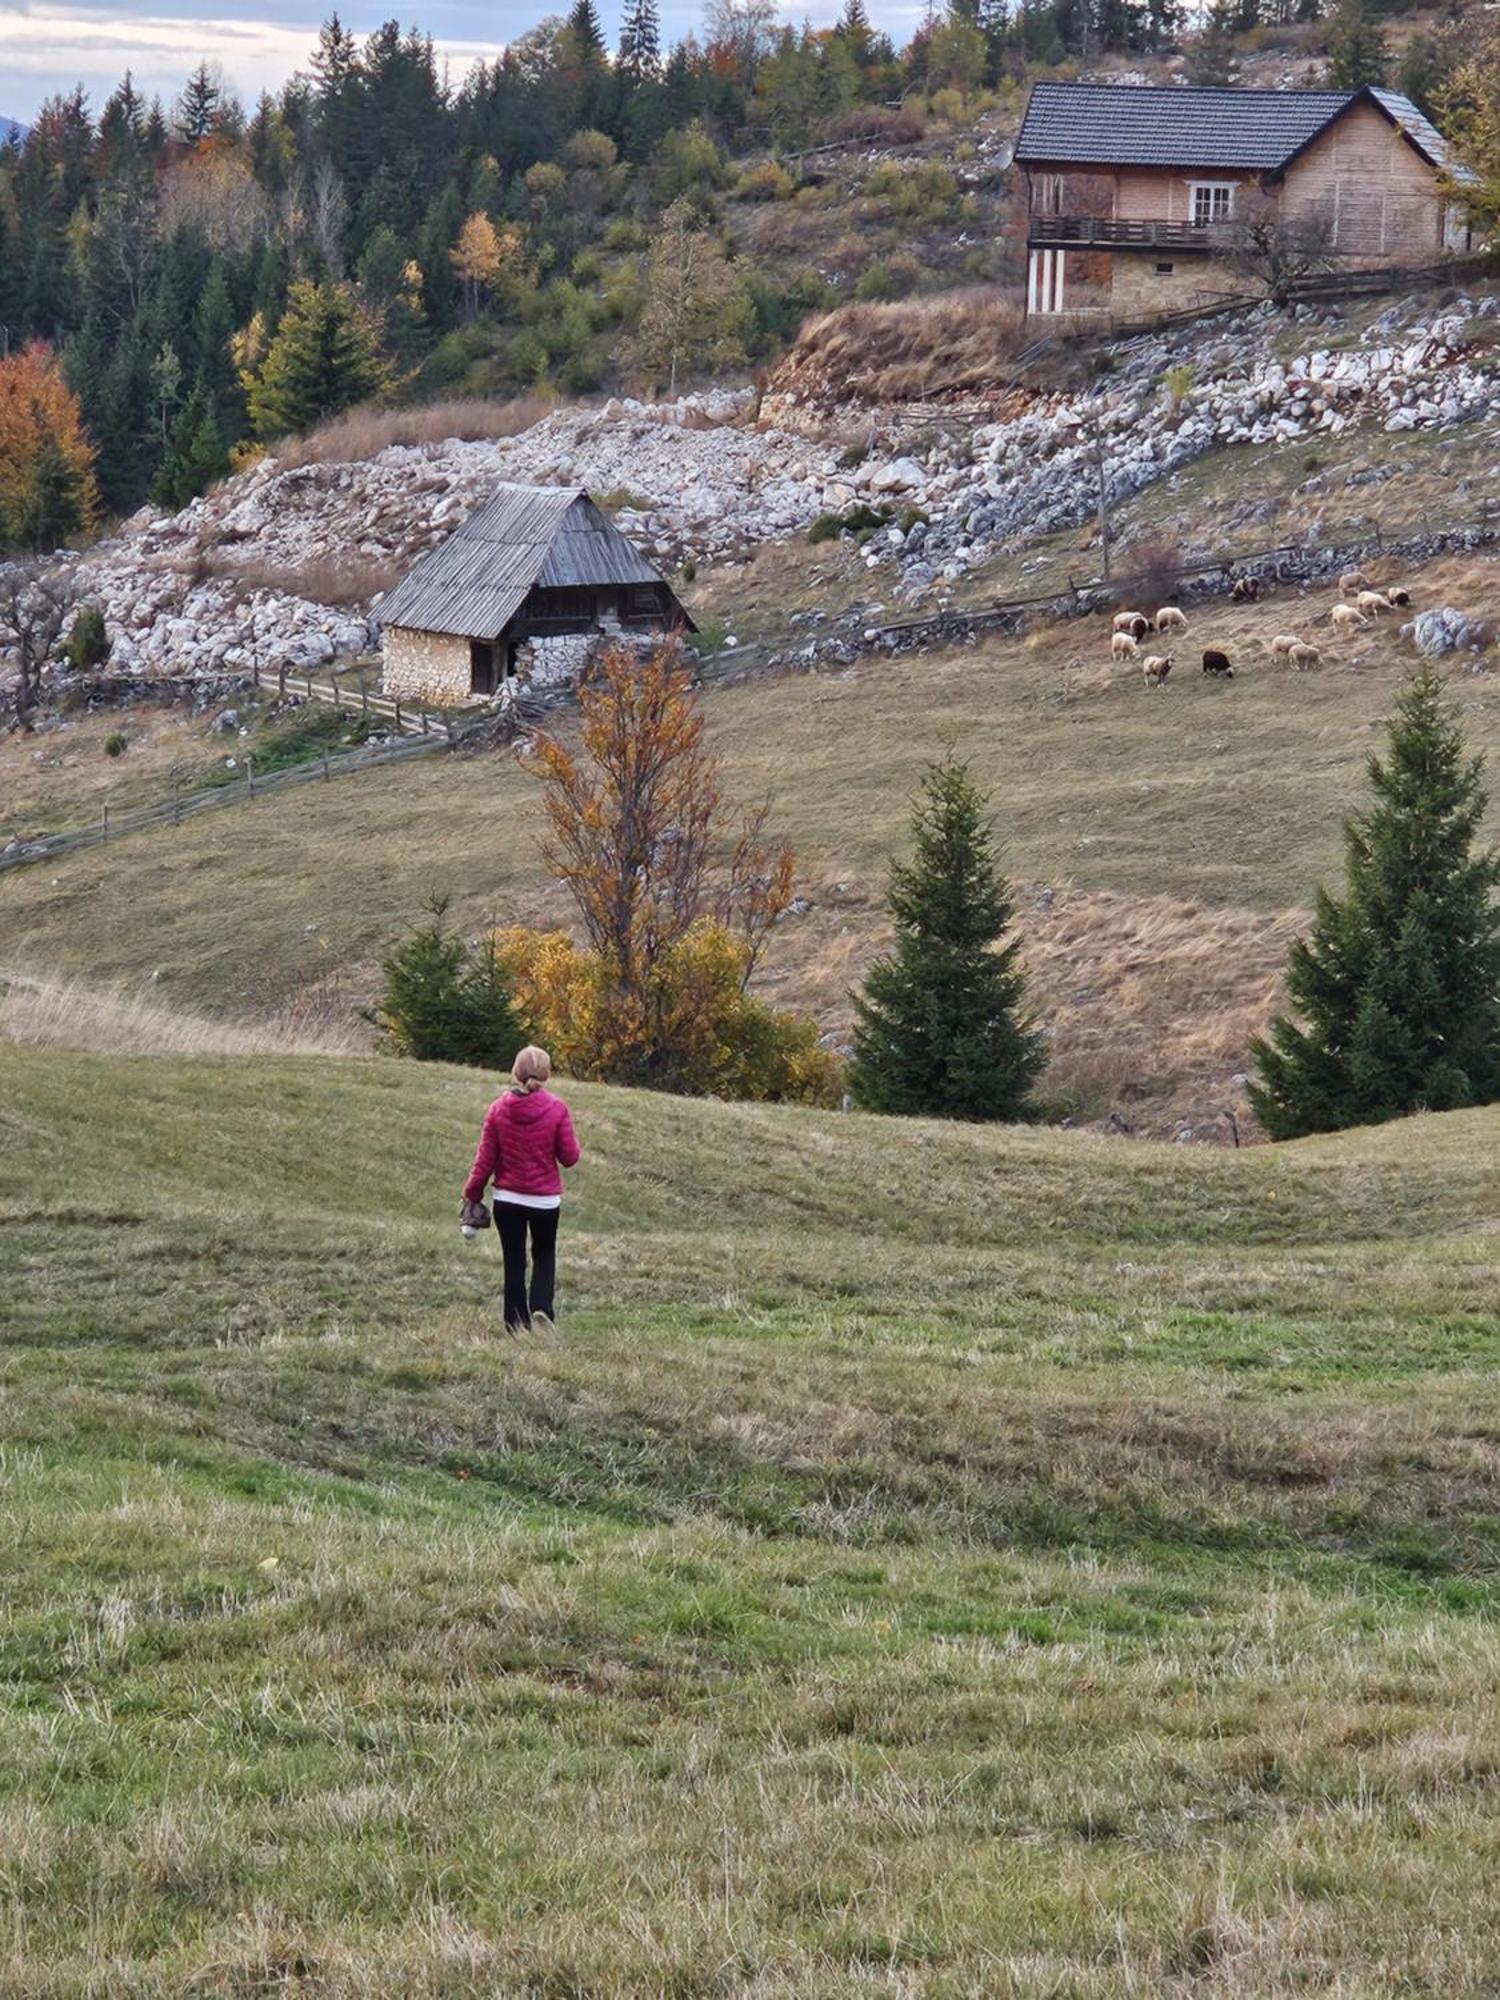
{"x": 531, "y": 1068}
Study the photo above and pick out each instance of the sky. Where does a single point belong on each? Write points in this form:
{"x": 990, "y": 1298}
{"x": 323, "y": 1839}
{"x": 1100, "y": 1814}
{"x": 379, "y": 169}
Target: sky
{"x": 49, "y": 45}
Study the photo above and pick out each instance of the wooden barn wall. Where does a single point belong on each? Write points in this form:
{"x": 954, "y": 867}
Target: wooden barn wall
{"x": 1382, "y": 195}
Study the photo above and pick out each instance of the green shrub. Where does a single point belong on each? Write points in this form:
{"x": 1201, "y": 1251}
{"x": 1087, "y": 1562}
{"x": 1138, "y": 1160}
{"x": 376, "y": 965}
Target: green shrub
{"x": 624, "y": 236}
{"x": 445, "y": 1000}
{"x": 115, "y": 743}
{"x": 859, "y": 520}
{"x": 88, "y": 642}
{"x": 826, "y": 528}
{"x": 875, "y": 282}
{"x": 766, "y": 182}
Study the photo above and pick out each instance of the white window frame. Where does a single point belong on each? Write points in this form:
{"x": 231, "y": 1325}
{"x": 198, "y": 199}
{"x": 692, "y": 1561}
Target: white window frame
{"x": 1211, "y": 189}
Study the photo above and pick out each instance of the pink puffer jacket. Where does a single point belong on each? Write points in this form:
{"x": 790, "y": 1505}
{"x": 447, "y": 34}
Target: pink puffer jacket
{"x": 527, "y": 1136}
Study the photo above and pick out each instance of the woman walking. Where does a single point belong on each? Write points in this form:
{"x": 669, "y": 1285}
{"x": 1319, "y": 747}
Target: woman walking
{"x": 527, "y": 1138}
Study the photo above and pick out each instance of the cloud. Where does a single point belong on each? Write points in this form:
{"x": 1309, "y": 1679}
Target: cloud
{"x": 49, "y": 48}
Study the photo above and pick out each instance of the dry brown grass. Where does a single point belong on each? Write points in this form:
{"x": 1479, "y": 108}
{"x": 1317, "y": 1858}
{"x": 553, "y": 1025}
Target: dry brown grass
{"x": 362, "y": 432}
{"x": 914, "y": 349}
{"x": 324, "y": 578}
{"x": 42, "y": 1013}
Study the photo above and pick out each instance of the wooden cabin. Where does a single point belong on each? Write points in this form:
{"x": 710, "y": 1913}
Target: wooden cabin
{"x": 533, "y": 580}
{"x": 1133, "y": 193}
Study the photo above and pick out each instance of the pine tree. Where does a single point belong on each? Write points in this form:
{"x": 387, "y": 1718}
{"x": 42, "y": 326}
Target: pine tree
{"x": 1398, "y": 983}
{"x": 1212, "y": 58}
{"x": 54, "y": 506}
{"x": 940, "y": 1028}
{"x": 640, "y": 41}
{"x": 324, "y": 359}
{"x": 195, "y": 456}
{"x": 1356, "y": 47}
{"x": 583, "y": 25}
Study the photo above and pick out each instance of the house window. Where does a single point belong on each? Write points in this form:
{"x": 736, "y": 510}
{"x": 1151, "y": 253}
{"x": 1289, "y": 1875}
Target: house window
{"x": 1164, "y": 270}
{"x": 1213, "y": 201}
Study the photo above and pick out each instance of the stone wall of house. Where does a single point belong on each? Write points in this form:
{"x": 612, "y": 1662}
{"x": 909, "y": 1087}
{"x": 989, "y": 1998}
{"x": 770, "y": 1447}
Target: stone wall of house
{"x": 1139, "y": 287}
{"x": 554, "y": 659}
{"x": 425, "y": 666}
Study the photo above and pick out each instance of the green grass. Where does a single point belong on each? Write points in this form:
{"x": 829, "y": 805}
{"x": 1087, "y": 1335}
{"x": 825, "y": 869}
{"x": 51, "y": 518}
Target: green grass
{"x": 927, "y": 1561}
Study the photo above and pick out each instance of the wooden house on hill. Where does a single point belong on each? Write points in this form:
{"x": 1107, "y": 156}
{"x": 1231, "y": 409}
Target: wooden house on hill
{"x": 1132, "y": 191}
{"x": 533, "y": 579}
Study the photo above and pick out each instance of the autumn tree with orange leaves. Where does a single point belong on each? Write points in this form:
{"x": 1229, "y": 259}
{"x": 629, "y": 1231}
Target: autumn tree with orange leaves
{"x": 47, "y": 490}
{"x": 676, "y": 892}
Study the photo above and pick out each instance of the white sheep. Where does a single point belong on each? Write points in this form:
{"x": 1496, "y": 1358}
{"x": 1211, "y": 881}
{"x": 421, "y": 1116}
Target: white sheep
{"x": 1281, "y": 646}
{"x": 1353, "y": 580}
{"x": 1125, "y": 620}
{"x": 1123, "y": 647}
{"x": 1304, "y": 656}
{"x": 1347, "y": 619}
{"x": 1170, "y": 619}
{"x": 1373, "y": 602}
{"x": 1155, "y": 667}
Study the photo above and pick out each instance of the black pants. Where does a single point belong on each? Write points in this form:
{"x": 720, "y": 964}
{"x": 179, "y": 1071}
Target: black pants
{"x": 512, "y": 1221}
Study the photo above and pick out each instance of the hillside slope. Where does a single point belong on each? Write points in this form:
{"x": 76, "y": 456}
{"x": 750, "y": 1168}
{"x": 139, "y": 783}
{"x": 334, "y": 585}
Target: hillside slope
{"x": 1163, "y": 843}
{"x": 929, "y": 1560}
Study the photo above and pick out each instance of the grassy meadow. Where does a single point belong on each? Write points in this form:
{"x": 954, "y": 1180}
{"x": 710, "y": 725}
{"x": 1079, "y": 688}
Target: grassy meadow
{"x": 927, "y": 1561}
{"x": 1165, "y": 843}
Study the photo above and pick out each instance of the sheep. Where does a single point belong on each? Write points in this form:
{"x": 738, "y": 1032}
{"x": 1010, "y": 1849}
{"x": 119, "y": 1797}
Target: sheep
{"x": 1170, "y": 619}
{"x": 1281, "y": 647}
{"x": 1218, "y": 663}
{"x": 1400, "y": 597}
{"x": 1304, "y": 656}
{"x": 1347, "y": 618}
{"x": 1373, "y": 602}
{"x": 1155, "y": 667}
{"x": 1123, "y": 647}
{"x": 1245, "y": 590}
{"x": 1353, "y": 580}
{"x": 1125, "y": 621}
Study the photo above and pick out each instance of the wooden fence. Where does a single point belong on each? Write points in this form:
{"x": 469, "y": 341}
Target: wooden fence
{"x": 187, "y": 805}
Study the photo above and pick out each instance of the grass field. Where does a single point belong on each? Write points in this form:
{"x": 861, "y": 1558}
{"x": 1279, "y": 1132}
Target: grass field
{"x": 1164, "y": 842}
{"x": 926, "y": 1562}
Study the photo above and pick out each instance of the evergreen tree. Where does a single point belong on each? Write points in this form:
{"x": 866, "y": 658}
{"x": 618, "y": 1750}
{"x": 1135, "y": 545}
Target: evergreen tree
{"x": 640, "y": 41}
{"x": 195, "y": 456}
{"x": 1399, "y": 981}
{"x": 940, "y": 1029}
{"x": 446, "y": 1001}
{"x": 324, "y": 359}
{"x": 1212, "y": 58}
{"x": 1356, "y": 47}
{"x": 198, "y": 106}
{"x": 54, "y": 505}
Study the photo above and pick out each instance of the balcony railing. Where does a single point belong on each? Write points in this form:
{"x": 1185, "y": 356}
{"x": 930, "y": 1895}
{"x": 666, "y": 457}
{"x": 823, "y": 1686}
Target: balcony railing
{"x": 1102, "y": 231}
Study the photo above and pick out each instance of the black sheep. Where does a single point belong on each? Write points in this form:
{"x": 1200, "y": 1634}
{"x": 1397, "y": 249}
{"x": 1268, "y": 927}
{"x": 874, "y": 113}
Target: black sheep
{"x": 1218, "y": 663}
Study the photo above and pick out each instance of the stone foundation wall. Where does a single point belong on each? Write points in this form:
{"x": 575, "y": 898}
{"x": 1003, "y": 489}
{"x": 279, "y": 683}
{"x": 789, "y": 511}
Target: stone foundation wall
{"x": 425, "y": 666}
{"x": 1137, "y": 288}
{"x": 555, "y": 659}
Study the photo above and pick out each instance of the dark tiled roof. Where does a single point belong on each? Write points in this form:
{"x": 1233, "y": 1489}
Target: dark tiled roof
{"x": 473, "y": 583}
{"x": 1101, "y": 124}
{"x": 1423, "y": 134}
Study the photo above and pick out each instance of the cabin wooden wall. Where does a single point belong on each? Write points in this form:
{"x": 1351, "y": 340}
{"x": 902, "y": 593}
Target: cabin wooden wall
{"x": 1382, "y": 195}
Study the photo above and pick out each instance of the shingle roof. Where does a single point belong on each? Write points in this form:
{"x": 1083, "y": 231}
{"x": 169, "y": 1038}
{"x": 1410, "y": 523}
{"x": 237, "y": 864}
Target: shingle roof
{"x": 1423, "y": 134}
{"x": 1093, "y": 124}
{"x": 472, "y": 584}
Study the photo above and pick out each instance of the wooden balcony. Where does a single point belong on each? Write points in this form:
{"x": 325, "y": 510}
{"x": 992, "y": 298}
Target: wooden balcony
{"x": 1101, "y": 232}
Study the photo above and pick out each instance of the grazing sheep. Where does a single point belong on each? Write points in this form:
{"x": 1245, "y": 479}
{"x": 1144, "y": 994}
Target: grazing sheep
{"x": 1123, "y": 647}
{"x": 1170, "y": 619}
{"x": 1400, "y": 597}
{"x": 1218, "y": 663}
{"x": 1281, "y": 647}
{"x": 1245, "y": 590}
{"x": 1347, "y": 618}
{"x": 1125, "y": 621}
{"x": 1373, "y": 602}
{"x": 1304, "y": 656}
{"x": 1353, "y": 580}
{"x": 1156, "y": 668}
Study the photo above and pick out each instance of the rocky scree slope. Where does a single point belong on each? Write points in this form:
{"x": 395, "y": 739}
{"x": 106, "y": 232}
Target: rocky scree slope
{"x": 234, "y": 579}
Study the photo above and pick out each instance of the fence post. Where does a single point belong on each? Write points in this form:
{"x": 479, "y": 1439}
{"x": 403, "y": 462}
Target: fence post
{"x": 325, "y": 763}
{"x": 105, "y": 834}
{"x": 176, "y": 801}
{"x": 338, "y": 706}
{"x": 364, "y": 695}
{"x": 448, "y": 725}
{"x": 424, "y": 722}
{"x": 281, "y": 680}
{"x": 255, "y": 673}
{"x": 250, "y": 777}
{"x": 398, "y": 715}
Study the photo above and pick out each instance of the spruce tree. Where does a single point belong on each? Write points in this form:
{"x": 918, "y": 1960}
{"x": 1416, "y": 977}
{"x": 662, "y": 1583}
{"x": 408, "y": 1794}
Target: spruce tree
{"x": 447, "y": 1001}
{"x": 1356, "y": 47}
{"x": 1398, "y": 983}
{"x": 640, "y": 40}
{"x": 941, "y": 1031}
{"x": 323, "y": 360}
